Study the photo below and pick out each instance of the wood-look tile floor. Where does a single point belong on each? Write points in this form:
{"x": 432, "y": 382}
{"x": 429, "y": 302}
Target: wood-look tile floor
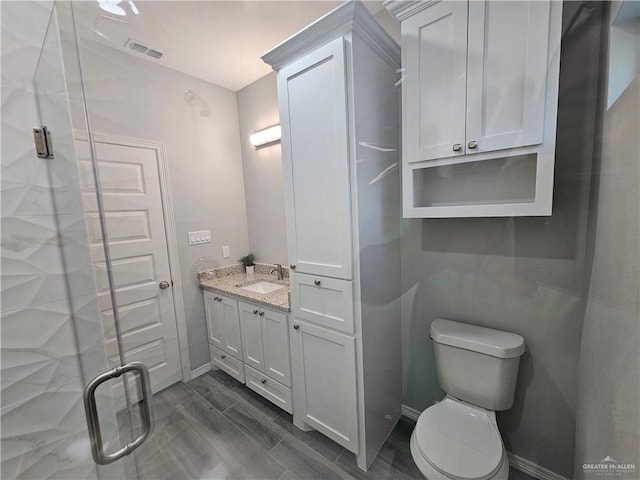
{"x": 213, "y": 427}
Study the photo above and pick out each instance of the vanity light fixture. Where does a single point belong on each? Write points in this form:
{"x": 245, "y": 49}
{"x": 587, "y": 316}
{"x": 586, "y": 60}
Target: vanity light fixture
{"x": 267, "y": 136}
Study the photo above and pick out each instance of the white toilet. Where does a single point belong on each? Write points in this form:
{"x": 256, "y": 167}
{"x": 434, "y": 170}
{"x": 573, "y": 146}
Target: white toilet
{"x": 458, "y": 438}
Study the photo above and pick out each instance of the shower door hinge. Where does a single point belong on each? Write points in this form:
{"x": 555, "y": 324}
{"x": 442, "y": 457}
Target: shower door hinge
{"x": 44, "y": 146}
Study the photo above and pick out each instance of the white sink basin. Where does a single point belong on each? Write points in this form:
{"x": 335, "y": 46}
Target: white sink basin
{"x": 263, "y": 287}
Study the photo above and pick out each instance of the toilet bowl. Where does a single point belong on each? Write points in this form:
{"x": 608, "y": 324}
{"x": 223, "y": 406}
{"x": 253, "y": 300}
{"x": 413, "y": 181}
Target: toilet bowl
{"x": 455, "y": 440}
{"x": 458, "y": 438}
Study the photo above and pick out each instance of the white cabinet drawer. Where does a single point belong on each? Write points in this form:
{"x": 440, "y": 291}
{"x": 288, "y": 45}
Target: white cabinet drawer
{"x": 324, "y": 301}
{"x": 226, "y": 362}
{"x": 273, "y": 391}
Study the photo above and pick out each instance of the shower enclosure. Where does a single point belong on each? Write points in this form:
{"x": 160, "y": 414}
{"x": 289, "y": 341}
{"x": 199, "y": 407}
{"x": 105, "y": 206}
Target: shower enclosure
{"x": 84, "y": 370}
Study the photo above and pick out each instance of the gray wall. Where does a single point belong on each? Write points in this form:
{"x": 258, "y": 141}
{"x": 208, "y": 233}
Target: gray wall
{"x": 523, "y": 275}
{"x": 608, "y": 420}
{"x": 136, "y": 98}
{"x": 262, "y": 167}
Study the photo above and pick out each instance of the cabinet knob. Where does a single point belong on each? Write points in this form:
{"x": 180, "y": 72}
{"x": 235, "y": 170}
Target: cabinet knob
{"x": 292, "y": 267}
{"x": 255, "y": 311}
{"x": 296, "y": 327}
{"x": 264, "y": 380}
{"x": 223, "y": 357}
{"x": 316, "y": 283}
{"x": 261, "y": 314}
{"x": 473, "y": 144}
{"x": 457, "y": 147}
{"x": 219, "y": 299}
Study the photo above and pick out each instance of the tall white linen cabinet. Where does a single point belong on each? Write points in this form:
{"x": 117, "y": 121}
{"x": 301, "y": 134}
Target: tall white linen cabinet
{"x": 339, "y": 111}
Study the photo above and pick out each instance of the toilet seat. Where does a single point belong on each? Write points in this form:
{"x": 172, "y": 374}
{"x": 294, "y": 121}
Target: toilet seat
{"x": 459, "y": 441}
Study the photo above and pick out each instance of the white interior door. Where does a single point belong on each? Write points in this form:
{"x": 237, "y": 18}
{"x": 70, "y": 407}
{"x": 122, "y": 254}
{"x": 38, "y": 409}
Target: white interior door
{"x": 132, "y": 200}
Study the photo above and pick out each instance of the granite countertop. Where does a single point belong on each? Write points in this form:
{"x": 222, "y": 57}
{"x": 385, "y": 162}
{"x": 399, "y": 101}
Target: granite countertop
{"x": 228, "y": 280}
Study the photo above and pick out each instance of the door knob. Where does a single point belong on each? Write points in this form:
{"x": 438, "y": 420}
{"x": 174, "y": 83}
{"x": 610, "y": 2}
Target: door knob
{"x": 457, "y": 147}
{"x": 164, "y": 285}
{"x": 473, "y": 144}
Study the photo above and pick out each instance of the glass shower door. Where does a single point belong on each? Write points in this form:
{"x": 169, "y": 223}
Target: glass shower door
{"x": 116, "y": 394}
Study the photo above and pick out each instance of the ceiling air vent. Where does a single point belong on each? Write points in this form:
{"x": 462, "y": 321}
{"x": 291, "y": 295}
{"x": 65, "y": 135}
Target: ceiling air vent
{"x": 140, "y": 48}
{"x": 154, "y": 53}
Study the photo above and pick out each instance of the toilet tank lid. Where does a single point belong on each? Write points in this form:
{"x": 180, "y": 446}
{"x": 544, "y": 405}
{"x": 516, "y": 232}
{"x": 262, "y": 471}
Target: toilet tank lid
{"x": 477, "y": 339}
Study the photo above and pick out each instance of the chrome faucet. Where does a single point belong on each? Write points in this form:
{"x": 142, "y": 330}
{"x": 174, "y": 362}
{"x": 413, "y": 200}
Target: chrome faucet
{"x": 279, "y": 271}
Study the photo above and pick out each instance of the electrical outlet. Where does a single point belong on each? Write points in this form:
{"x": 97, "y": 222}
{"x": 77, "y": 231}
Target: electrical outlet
{"x": 197, "y": 238}
{"x": 226, "y": 252}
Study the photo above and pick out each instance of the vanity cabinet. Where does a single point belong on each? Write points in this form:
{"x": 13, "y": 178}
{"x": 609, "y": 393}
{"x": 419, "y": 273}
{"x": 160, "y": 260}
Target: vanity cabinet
{"x": 480, "y": 87}
{"x": 251, "y": 343}
{"x": 339, "y": 109}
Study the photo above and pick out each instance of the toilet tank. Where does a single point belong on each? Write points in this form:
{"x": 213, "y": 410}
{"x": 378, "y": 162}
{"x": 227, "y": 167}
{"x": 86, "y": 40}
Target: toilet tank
{"x": 475, "y": 364}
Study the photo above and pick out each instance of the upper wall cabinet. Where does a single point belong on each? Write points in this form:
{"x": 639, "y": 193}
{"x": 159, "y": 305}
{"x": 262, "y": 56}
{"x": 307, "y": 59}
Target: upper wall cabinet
{"x": 479, "y": 101}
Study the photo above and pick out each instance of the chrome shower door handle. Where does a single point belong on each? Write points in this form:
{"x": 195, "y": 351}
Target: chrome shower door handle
{"x": 93, "y": 422}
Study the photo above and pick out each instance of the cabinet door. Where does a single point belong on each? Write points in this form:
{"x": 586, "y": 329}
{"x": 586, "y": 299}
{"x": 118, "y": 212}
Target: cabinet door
{"x": 231, "y": 321}
{"x": 313, "y": 113}
{"x": 434, "y": 53}
{"x": 325, "y": 376}
{"x": 213, "y": 313}
{"x": 251, "y": 330}
{"x": 506, "y": 78}
{"x": 275, "y": 337}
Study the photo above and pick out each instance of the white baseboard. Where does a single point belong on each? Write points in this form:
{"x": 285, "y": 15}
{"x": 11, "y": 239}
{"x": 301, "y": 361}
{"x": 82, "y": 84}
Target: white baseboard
{"x": 410, "y": 413}
{"x": 200, "y": 370}
{"x": 532, "y": 469}
{"x": 525, "y": 466}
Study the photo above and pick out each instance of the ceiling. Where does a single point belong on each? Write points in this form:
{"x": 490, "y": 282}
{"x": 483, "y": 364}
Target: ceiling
{"x": 217, "y": 41}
